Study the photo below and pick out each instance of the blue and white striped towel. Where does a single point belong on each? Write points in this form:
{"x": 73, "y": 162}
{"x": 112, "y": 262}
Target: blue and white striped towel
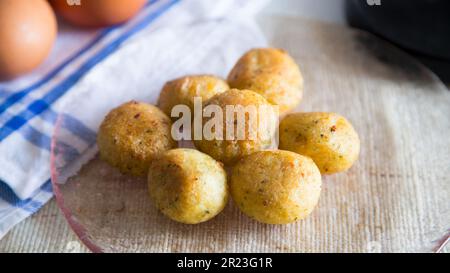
{"x": 90, "y": 72}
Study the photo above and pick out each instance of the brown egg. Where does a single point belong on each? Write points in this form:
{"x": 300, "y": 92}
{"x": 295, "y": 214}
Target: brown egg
{"x": 27, "y": 33}
{"x": 98, "y": 13}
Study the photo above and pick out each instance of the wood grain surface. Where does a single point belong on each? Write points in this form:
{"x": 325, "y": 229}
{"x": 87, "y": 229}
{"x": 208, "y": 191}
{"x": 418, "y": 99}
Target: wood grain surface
{"x": 395, "y": 199}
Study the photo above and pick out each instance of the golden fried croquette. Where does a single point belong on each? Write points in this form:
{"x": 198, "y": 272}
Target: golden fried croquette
{"x": 183, "y": 91}
{"x": 188, "y": 186}
{"x": 328, "y": 138}
{"x": 133, "y": 134}
{"x": 256, "y": 134}
{"x": 272, "y": 73}
{"x": 276, "y": 187}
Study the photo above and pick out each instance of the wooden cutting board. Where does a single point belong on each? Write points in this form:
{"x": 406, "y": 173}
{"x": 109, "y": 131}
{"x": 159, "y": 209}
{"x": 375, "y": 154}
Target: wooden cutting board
{"x": 395, "y": 199}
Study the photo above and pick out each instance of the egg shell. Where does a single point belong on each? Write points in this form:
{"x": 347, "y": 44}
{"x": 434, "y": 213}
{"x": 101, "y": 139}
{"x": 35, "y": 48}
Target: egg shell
{"x": 98, "y": 13}
{"x": 27, "y": 33}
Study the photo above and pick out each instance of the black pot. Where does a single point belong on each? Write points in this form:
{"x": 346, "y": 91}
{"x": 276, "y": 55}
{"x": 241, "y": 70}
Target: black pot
{"x": 422, "y": 27}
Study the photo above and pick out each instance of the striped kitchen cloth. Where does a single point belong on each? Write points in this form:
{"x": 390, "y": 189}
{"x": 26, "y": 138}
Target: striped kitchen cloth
{"x": 91, "y": 71}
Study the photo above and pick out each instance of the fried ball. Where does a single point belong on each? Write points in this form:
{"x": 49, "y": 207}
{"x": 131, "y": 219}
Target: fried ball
{"x": 188, "y": 186}
{"x": 132, "y": 135}
{"x": 240, "y": 134}
{"x": 276, "y": 187}
{"x": 272, "y": 73}
{"x": 328, "y": 138}
{"x": 184, "y": 89}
